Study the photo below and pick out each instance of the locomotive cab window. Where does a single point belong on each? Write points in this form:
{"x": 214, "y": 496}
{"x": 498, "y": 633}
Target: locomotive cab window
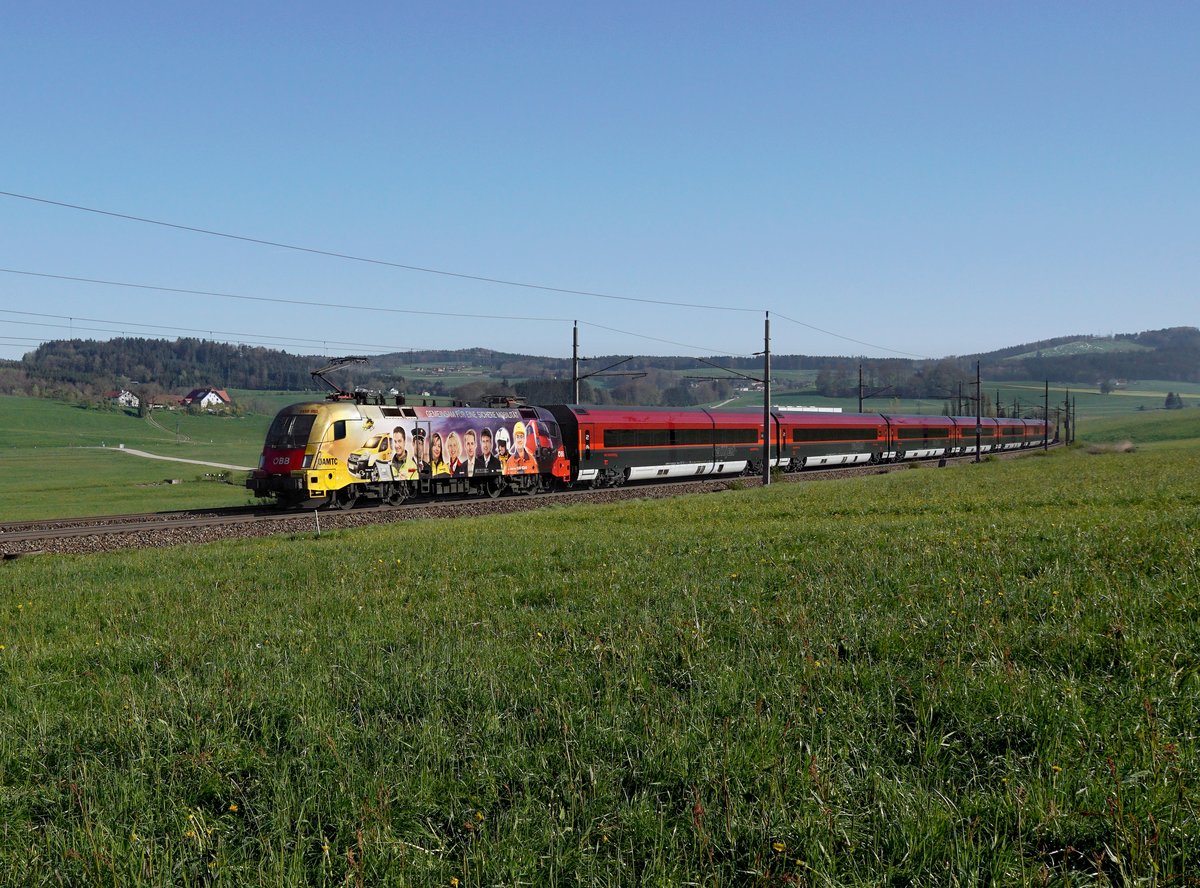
{"x": 290, "y": 432}
{"x": 339, "y": 430}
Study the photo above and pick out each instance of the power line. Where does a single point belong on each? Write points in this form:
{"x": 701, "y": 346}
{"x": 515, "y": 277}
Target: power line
{"x": 417, "y": 268}
{"x": 244, "y": 337}
{"x": 698, "y": 348}
{"x": 375, "y": 308}
{"x": 856, "y": 341}
{"x": 281, "y": 300}
{"x": 336, "y": 255}
{"x": 124, "y": 332}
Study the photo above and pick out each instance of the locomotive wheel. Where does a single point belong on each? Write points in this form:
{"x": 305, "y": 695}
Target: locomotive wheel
{"x": 494, "y": 486}
{"x": 343, "y": 499}
{"x": 397, "y": 493}
{"x": 534, "y": 485}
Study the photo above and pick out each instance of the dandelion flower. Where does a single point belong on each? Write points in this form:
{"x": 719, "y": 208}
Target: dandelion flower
{"x": 233, "y": 807}
{"x": 779, "y": 847}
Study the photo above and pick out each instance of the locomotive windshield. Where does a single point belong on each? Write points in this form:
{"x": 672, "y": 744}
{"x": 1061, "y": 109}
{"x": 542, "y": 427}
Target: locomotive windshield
{"x": 290, "y": 432}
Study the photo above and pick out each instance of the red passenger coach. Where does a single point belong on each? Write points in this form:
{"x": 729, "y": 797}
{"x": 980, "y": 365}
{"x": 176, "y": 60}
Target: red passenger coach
{"x": 612, "y": 445}
{"x": 965, "y": 434}
{"x": 921, "y": 437}
{"x": 832, "y": 439}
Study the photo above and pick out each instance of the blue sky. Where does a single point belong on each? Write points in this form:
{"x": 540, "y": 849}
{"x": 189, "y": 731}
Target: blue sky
{"x": 886, "y": 178}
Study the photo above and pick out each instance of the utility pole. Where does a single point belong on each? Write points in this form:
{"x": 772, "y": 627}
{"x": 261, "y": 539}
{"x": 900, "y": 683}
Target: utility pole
{"x": 767, "y": 399}
{"x": 575, "y": 364}
{"x": 978, "y": 412}
{"x": 1067, "y": 418}
{"x": 1046, "y": 417}
{"x": 860, "y": 387}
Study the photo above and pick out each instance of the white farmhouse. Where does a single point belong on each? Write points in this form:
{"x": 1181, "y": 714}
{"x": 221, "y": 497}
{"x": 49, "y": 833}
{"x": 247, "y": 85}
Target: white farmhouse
{"x": 123, "y": 398}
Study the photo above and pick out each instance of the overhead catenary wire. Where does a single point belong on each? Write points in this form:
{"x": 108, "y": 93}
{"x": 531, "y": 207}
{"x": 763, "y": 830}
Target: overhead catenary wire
{"x": 174, "y": 328}
{"x": 371, "y": 261}
{"x": 316, "y": 304}
{"x": 285, "y": 301}
{"x": 416, "y": 268}
{"x": 851, "y": 339}
{"x": 705, "y": 349}
{"x": 122, "y": 327}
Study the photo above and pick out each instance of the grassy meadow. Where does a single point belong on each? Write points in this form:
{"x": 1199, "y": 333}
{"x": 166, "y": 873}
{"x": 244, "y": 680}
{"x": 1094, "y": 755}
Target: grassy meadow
{"x": 984, "y": 675}
{"x": 1141, "y": 428}
{"x": 62, "y": 460}
{"x": 28, "y": 424}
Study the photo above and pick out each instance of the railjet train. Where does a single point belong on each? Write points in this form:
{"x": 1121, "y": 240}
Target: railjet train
{"x": 338, "y": 452}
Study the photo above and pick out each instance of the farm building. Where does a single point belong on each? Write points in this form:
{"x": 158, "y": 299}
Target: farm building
{"x": 207, "y": 398}
{"x": 123, "y": 398}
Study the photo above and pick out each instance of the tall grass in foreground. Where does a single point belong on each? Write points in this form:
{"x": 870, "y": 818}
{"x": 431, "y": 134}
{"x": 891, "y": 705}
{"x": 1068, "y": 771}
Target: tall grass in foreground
{"x": 986, "y": 675}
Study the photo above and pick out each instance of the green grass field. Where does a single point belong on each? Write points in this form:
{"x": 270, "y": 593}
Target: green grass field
{"x": 975, "y": 676}
{"x": 75, "y": 481}
{"x": 61, "y": 460}
{"x": 1141, "y": 428}
{"x": 36, "y": 423}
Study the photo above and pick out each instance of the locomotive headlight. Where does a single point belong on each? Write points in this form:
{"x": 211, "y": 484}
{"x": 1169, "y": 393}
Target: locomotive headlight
{"x": 262, "y": 460}
{"x": 307, "y": 461}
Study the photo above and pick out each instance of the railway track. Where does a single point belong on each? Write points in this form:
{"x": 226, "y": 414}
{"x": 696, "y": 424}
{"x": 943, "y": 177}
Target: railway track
{"x": 156, "y": 529}
{"x": 21, "y": 531}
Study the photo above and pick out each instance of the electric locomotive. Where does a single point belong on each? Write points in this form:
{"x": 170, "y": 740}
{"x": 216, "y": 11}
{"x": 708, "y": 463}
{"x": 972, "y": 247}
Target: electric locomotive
{"x": 337, "y": 452}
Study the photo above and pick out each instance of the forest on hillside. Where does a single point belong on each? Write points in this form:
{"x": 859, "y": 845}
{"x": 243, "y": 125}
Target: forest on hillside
{"x": 88, "y": 368}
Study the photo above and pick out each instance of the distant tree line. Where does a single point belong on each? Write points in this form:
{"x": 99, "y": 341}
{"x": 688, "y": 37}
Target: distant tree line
{"x": 1172, "y": 354}
{"x": 87, "y": 369}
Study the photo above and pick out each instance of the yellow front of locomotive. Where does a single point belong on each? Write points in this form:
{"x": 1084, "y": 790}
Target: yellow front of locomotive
{"x": 309, "y": 452}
